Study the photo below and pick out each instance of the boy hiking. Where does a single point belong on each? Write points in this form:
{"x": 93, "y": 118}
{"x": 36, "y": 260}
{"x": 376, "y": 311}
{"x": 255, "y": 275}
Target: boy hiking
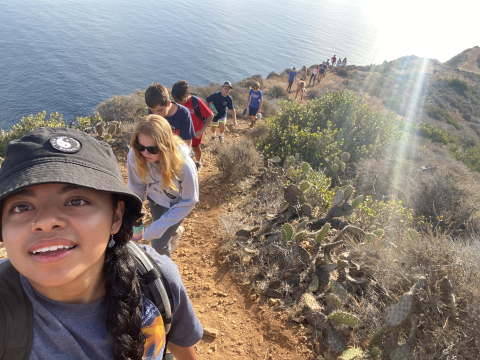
{"x": 254, "y": 102}
{"x": 178, "y": 116}
{"x": 201, "y": 115}
{"x": 222, "y": 101}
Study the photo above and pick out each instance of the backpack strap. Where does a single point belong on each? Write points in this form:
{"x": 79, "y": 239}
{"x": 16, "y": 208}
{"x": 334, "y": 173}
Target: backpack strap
{"x": 16, "y": 316}
{"x": 196, "y": 108}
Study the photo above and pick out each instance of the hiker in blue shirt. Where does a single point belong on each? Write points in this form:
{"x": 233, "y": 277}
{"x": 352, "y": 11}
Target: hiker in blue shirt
{"x": 291, "y": 79}
{"x": 254, "y": 102}
{"x": 221, "y": 102}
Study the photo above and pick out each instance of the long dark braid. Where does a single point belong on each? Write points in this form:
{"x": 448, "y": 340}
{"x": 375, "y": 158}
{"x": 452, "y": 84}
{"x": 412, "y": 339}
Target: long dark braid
{"x": 123, "y": 291}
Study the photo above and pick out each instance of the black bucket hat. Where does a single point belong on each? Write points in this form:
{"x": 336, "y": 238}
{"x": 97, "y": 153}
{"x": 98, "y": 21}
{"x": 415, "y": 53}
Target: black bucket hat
{"x": 62, "y": 155}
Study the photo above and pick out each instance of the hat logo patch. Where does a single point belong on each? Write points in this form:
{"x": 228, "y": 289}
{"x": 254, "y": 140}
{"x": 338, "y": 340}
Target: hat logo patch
{"x": 66, "y": 144}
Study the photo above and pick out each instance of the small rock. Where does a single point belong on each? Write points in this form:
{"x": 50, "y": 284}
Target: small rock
{"x": 219, "y": 293}
{"x": 309, "y": 330}
{"x": 327, "y": 356}
{"x": 275, "y": 284}
{"x": 320, "y": 357}
{"x": 209, "y": 351}
{"x": 253, "y": 297}
{"x": 286, "y": 275}
{"x": 210, "y": 332}
{"x": 272, "y": 302}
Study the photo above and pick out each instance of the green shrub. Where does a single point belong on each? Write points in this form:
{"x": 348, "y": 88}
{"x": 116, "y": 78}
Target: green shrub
{"x": 272, "y": 74}
{"x": 433, "y": 133}
{"x": 321, "y": 129}
{"x": 237, "y": 160}
{"x": 249, "y": 82}
{"x": 128, "y": 108}
{"x": 81, "y": 123}
{"x": 460, "y": 86}
{"x": 469, "y": 155}
{"x": 440, "y": 114}
{"x": 27, "y": 124}
{"x": 277, "y": 91}
{"x": 343, "y": 73}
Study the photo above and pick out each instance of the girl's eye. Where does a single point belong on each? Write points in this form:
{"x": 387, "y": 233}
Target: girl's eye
{"x": 76, "y": 202}
{"x": 21, "y": 208}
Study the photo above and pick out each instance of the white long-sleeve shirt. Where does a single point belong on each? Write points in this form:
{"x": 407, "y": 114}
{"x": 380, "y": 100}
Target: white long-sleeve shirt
{"x": 179, "y": 202}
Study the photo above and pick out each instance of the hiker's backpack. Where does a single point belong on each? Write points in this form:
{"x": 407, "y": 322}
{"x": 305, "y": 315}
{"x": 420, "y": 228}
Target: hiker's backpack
{"x": 16, "y": 314}
{"x": 196, "y": 107}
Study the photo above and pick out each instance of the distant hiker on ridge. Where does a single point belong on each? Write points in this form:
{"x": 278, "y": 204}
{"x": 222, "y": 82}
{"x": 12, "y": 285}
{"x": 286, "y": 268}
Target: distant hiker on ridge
{"x": 221, "y": 102}
{"x": 334, "y": 60}
{"x": 314, "y": 75}
{"x": 201, "y": 116}
{"x": 178, "y": 116}
{"x": 291, "y": 79}
{"x": 303, "y": 73}
{"x": 344, "y": 62}
{"x": 321, "y": 71}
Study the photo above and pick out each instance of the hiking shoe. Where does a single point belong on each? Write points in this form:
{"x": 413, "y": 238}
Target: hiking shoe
{"x": 199, "y": 167}
{"x": 221, "y": 139}
{"x": 176, "y": 238}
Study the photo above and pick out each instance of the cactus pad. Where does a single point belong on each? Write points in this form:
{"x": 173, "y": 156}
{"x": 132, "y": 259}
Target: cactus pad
{"x": 401, "y": 352}
{"x": 107, "y": 137}
{"x": 340, "y": 291}
{"x": 287, "y": 232}
{"x": 306, "y": 168}
{"x": 307, "y": 209}
{"x": 314, "y": 284}
{"x": 338, "y": 198}
{"x": 334, "y": 168}
{"x": 297, "y": 157}
{"x": 310, "y": 302}
{"x": 352, "y": 354}
{"x": 344, "y": 318}
{"x": 276, "y": 159}
{"x": 398, "y": 313}
{"x": 357, "y": 201}
{"x": 336, "y": 341}
{"x": 345, "y": 157}
{"x": 254, "y": 229}
{"x": 304, "y": 185}
{"x": 370, "y": 237}
{"x": 307, "y": 192}
{"x": 289, "y": 161}
{"x": 378, "y": 233}
{"x": 347, "y": 192}
{"x": 343, "y": 264}
{"x": 378, "y": 336}
{"x": 290, "y": 171}
{"x": 323, "y": 232}
{"x": 301, "y": 235}
{"x": 333, "y": 301}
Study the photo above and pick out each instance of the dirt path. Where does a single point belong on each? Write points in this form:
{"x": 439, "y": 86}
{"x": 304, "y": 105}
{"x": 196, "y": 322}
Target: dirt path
{"x": 244, "y": 329}
{"x": 471, "y": 63}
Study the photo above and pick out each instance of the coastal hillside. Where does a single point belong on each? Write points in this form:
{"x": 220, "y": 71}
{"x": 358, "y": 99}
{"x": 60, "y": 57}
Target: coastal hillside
{"x": 348, "y": 227}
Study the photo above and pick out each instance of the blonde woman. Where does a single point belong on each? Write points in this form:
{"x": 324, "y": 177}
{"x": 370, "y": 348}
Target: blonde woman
{"x": 300, "y": 90}
{"x": 303, "y": 73}
{"x": 159, "y": 165}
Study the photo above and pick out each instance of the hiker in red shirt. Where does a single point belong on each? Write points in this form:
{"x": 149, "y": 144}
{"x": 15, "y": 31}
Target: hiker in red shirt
{"x": 201, "y": 116}
{"x": 334, "y": 60}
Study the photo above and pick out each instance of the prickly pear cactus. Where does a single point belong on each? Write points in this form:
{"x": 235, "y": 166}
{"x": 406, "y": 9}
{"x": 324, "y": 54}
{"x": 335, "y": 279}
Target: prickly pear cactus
{"x": 297, "y": 157}
{"x": 307, "y": 192}
{"x": 401, "y": 352}
{"x": 99, "y": 129}
{"x": 336, "y": 341}
{"x": 304, "y": 185}
{"x": 343, "y": 264}
{"x": 378, "y": 233}
{"x": 287, "y": 232}
{"x": 289, "y": 161}
{"x": 347, "y": 192}
{"x": 398, "y": 313}
{"x": 301, "y": 235}
{"x": 307, "y": 209}
{"x": 370, "y": 237}
{"x": 352, "y": 354}
{"x": 345, "y": 157}
{"x": 323, "y": 232}
{"x": 315, "y": 211}
{"x": 357, "y": 201}
{"x": 310, "y": 302}
{"x": 333, "y": 301}
{"x": 112, "y": 128}
{"x": 306, "y": 168}
{"x": 254, "y": 194}
{"x": 290, "y": 171}
{"x": 107, "y": 137}
{"x": 340, "y": 291}
{"x": 314, "y": 284}
{"x": 254, "y": 229}
{"x": 344, "y": 318}
{"x": 338, "y": 198}
{"x": 378, "y": 336}
{"x": 339, "y": 163}
{"x": 334, "y": 168}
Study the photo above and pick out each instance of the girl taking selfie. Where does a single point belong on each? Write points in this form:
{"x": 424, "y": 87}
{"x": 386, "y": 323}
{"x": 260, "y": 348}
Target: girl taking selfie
{"x": 72, "y": 286}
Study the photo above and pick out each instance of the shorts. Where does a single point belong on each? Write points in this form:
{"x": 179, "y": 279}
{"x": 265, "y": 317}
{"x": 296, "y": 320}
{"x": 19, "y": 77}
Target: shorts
{"x": 217, "y": 119}
{"x": 252, "y": 111}
{"x": 196, "y": 142}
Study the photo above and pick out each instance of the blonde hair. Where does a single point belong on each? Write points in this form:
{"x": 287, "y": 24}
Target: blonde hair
{"x": 256, "y": 85}
{"x": 301, "y": 85}
{"x": 171, "y": 159}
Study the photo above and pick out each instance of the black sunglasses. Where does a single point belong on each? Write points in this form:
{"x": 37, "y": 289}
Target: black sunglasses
{"x": 154, "y": 150}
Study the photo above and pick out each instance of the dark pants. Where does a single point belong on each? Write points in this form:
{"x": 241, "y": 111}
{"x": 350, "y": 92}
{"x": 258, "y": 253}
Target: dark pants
{"x": 162, "y": 245}
{"x": 289, "y": 85}
{"x": 314, "y": 76}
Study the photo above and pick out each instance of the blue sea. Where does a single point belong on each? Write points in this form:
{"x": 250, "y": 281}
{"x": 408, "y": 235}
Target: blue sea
{"x": 69, "y": 55}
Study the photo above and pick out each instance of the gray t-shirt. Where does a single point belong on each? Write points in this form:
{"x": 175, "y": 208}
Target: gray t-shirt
{"x": 77, "y": 331}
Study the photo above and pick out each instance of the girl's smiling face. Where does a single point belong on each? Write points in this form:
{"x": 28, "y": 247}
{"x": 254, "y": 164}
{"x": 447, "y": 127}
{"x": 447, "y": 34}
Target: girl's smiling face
{"x": 56, "y": 235}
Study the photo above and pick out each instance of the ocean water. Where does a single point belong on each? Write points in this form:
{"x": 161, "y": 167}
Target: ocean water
{"x": 69, "y": 55}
